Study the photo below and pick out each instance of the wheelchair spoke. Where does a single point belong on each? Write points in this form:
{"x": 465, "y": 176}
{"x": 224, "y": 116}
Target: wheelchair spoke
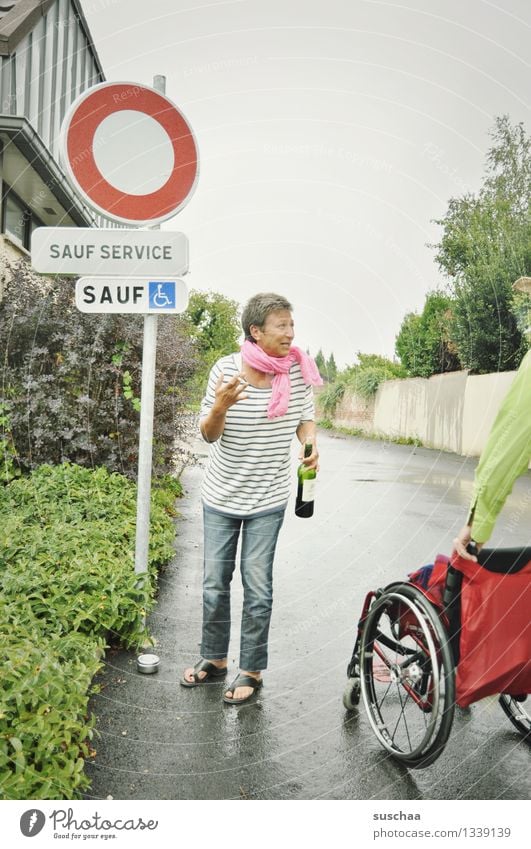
{"x": 382, "y": 700}
{"x": 402, "y": 716}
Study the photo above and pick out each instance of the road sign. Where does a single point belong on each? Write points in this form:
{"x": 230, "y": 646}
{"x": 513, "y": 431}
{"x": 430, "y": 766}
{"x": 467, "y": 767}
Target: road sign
{"x": 129, "y": 152}
{"x": 131, "y": 295}
{"x": 87, "y": 250}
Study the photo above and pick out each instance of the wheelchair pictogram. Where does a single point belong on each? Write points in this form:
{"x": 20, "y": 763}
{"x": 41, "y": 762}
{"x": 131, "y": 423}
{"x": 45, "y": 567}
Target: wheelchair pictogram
{"x": 162, "y": 295}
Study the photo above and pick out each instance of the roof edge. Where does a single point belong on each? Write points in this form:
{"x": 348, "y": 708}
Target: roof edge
{"x": 30, "y": 144}
{"x": 20, "y": 21}
{"x": 26, "y": 14}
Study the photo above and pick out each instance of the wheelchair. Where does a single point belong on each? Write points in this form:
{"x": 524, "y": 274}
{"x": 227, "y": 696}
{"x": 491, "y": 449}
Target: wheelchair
{"x": 455, "y": 632}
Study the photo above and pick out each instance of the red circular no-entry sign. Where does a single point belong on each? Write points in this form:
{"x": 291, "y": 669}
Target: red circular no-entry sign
{"x": 129, "y": 152}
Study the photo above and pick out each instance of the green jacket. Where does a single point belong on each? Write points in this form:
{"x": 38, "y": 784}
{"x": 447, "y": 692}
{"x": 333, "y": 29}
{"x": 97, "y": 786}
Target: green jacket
{"x": 505, "y": 456}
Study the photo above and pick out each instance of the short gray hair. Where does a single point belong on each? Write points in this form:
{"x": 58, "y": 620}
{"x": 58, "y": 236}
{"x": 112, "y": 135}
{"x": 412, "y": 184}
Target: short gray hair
{"x": 258, "y": 308}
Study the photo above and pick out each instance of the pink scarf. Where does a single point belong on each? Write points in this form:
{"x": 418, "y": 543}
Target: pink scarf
{"x": 279, "y": 367}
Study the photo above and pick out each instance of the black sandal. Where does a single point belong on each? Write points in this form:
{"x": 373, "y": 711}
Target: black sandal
{"x": 242, "y": 681}
{"x": 213, "y": 673}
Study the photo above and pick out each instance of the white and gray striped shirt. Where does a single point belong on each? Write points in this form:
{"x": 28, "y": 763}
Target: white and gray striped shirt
{"x": 249, "y": 465}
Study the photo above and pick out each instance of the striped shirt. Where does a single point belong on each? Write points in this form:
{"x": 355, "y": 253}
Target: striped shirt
{"x": 249, "y": 465}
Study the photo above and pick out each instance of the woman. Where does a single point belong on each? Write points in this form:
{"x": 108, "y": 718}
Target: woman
{"x": 254, "y": 404}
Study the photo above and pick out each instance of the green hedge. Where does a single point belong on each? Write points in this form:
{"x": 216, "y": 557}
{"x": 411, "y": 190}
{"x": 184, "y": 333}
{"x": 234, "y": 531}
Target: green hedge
{"x": 67, "y": 582}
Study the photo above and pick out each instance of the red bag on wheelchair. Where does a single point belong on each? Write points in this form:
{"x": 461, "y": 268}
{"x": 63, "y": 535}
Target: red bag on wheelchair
{"x": 495, "y": 638}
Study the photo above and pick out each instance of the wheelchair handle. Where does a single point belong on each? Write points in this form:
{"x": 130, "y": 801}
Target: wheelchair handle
{"x": 472, "y": 548}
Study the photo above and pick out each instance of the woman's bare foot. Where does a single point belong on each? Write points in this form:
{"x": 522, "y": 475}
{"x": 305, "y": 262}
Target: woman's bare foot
{"x": 244, "y": 692}
{"x": 189, "y": 673}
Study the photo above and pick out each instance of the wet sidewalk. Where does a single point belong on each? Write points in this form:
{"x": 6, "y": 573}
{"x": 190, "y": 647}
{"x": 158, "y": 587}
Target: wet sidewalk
{"x": 381, "y": 511}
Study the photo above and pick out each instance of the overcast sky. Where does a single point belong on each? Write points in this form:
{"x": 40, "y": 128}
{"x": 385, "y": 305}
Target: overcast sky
{"x": 331, "y": 133}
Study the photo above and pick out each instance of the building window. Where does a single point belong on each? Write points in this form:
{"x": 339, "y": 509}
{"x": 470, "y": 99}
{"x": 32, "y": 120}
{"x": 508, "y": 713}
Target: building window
{"x": 15, "y": 219}
{"x": 18, "y": 220}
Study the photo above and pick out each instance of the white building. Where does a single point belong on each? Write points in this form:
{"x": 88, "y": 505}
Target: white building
{"x": 47, "y": 59}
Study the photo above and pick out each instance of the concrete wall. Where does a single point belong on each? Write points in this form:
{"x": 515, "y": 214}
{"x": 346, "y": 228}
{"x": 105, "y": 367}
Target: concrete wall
{"x": 446, "y": 399}
{"x": 400, "y": 408}
{"x": 451, "y": 412}
{"x": 483, "y": 396}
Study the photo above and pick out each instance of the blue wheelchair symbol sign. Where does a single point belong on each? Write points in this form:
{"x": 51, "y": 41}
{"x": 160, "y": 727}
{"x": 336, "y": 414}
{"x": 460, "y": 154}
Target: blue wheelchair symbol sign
{"x": 162, "y": 295}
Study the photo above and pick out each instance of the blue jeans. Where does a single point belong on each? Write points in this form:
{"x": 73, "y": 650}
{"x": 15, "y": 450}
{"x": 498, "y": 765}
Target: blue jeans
{"x": 259, "y": 538}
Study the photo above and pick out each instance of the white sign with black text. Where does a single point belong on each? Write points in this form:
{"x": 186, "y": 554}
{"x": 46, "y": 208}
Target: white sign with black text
{"x": 131, "y": 295}
{"x": 106, "y": 251}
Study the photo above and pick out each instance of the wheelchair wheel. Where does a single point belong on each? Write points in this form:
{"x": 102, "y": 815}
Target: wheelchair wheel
{"x": 519, "y": 713}
{"x": 407, "y": 676}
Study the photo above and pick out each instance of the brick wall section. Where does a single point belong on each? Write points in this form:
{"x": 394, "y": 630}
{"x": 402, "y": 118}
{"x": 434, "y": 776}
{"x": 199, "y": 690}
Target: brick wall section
{"x": 355, "y": 412}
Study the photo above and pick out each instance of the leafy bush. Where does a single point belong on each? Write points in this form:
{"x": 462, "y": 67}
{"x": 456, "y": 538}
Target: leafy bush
{"x": 362, "y": 379}
{"x": 71, "y": 381}
{"x": 366, "y": 381}
{"x": 67, "y": 582}
{"x": 330, "y": 397}
{"x": 44, "y": 729}
{"x": 9, "y": 468}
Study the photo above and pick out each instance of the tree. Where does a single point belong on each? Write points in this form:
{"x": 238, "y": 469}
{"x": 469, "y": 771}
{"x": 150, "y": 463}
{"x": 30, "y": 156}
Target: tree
{"x": 331, "y": 368}
{"x": 214, "y": 328}
{"x": 424, "y": 341}
{"x": 321, "y": 364}
{"x": 485, "y": 247}
{"x": 327, "y": 367}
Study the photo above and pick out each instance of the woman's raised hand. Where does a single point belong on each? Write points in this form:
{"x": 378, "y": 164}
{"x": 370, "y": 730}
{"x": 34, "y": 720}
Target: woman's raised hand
{"x": 231, "y": 392}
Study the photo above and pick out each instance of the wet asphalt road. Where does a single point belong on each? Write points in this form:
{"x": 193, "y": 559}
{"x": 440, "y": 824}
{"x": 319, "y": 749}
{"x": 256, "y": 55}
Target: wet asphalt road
{"x": 382, "y": 510}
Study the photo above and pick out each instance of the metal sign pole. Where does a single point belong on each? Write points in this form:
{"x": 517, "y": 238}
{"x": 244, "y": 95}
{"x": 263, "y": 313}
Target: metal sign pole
{"x": 145, "y": 446}
{"x": 146, "y": 662}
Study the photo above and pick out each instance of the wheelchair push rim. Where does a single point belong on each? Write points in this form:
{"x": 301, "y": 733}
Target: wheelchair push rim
{"x": 407, "y": 676}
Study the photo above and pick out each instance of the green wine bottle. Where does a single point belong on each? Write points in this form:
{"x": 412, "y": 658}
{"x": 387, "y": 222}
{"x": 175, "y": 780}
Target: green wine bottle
{"x": 305, "y": 486}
